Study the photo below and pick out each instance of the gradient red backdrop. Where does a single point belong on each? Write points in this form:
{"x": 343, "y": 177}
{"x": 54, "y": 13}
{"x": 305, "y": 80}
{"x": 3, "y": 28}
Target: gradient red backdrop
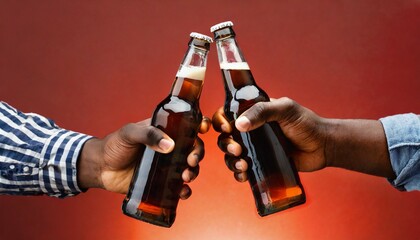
{"x": 93, "y": 66}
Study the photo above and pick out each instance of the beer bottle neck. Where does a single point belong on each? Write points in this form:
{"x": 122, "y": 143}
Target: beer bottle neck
{"x": 187, "y": 88}
{"x": 231, "y": 59}
{"x": 190, "y": 75}
{"x": 228, "y": 50}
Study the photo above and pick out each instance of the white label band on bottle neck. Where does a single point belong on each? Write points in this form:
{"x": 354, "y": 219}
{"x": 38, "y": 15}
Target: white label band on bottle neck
{"x": 192, "y": 72}
{"x": 234, "y": 65}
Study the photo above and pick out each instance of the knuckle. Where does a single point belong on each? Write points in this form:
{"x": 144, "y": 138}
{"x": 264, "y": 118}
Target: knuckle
{"x": 207, "y": 120}
{"x": 152, "y": 134}
{"x": 216, "y": 122}
{"x": 200, "y": 142}
{"x": 221, "y": 142}
{"x": 195, "y": 170}
{"x": 260, "y": 111}
{"x": 288, "y": 103}
{"x": 126, "y": 130}
{"x": 259, "y": 108}
{"x": 199, "y": 149}
{"x": 228, "y": 159}
{"x": 230, "y": 162}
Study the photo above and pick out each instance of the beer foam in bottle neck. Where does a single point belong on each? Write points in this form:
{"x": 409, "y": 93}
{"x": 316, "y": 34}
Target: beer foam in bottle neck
{"x": 234, "y": 65}
{"x": 192, "y": 72}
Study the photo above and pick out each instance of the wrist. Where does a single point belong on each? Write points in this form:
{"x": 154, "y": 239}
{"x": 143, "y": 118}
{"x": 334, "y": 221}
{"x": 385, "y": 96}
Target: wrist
{"x": 358, "y": 145}
{"x": 332, "y": 138}
{"x": 89, "y": 165}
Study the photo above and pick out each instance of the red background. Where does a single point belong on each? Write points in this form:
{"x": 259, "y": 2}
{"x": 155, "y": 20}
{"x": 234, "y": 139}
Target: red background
{"x": 93, "y": 66}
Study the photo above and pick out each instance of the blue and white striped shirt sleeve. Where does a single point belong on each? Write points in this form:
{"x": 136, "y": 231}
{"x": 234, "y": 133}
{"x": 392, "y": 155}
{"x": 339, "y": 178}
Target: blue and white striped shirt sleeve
{"x": 36, "y": 156}
{"x": 403, "y": 137}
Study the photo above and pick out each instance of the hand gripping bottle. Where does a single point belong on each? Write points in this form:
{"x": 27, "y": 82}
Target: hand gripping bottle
{"x": 154, "y": 191}
{"x": 273, "y": 177}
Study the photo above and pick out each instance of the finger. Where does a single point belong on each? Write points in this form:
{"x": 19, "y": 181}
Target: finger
{"x": 236, "y": 164}
{"x": 228, "y": 145}
{"x": 277, "y": 110}
{"x": 185, "y": 192}
{"x": 189, "y": 174}
{"x": 241, "y": 177}
{"x": 144, "y": 133}
{"x": 197, "y": 154}
{"x": 205, "y": 125}
{"x": 220, "y": 122}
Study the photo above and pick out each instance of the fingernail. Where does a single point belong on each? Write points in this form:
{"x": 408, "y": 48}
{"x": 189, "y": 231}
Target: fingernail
{"x": 185, "y": 176}
{"x": 240, "y": 177}
{"x": 224, "y": 128}
{"x": 166, "y": 144}
{"x": 231, "y": 148}
{"x": 242, "y": 123}
{"x": 238, "y": 165}
{"x": 193, "y": 160}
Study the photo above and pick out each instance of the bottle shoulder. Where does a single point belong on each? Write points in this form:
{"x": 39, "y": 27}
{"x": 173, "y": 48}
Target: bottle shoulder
{"x": 251, "y": 93}
{"x": 242, "y": 99}
{"x": 176, "y": 113}
{"x": 177, "y": 104}
{"x": 174, "y": 107}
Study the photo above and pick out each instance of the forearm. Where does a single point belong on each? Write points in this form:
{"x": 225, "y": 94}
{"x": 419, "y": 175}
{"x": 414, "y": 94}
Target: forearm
{"x": 358, "y": 145}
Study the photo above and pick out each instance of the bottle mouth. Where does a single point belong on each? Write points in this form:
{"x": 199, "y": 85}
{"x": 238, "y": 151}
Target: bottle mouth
{"x": 201, "y": 37}
{"x": 221, "y": 25}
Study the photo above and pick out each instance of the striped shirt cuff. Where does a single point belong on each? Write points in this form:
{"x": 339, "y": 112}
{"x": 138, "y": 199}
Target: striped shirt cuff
{"x": 58, "y": 163}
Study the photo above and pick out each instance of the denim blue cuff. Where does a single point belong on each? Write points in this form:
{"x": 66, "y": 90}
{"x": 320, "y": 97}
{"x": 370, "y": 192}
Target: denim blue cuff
{"x": 403, "y": 137}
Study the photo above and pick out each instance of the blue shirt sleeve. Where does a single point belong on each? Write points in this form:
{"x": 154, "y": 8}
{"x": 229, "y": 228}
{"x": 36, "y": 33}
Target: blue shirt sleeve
{"x": 403, "y": 138}
{"x": 36, "y": 156}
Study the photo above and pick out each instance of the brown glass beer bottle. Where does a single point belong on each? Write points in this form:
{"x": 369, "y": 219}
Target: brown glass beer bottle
{"x": 273, "y": 177}
{"x": 156, "y": 184}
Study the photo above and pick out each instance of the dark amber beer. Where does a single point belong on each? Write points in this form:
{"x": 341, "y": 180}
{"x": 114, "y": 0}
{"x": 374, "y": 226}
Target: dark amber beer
{"x": 156, "y": 184}
{"x": 273, "y": 177}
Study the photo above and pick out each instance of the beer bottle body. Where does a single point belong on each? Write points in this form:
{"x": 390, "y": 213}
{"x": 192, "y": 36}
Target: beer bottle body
{"x": 157, "y": 180}
{"x": 156, "y": 185}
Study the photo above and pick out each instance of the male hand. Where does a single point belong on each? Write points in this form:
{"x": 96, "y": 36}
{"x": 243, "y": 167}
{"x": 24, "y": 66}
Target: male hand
{"x": 305, "y": 130}
{"x": 354, "y": 144}
{"x": 109, "y": 163}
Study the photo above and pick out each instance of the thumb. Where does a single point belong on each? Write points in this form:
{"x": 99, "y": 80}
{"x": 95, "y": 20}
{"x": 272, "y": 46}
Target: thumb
{"x": 277, "y": 110}
{"x": 143, "y": 133}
